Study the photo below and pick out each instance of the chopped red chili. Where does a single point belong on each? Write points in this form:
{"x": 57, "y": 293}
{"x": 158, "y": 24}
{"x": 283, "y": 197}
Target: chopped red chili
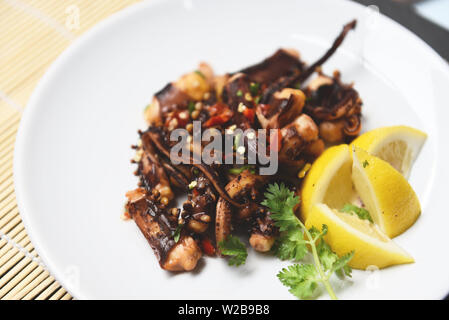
{"x": 220, "y": 115}
{"x": 249, "y": 114}
{"x": 208, "y": 248}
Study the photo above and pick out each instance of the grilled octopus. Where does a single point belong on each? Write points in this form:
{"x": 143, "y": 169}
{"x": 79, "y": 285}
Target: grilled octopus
{"x": 222, "y": 198}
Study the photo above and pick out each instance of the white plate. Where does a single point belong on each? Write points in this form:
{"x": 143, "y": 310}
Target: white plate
{"x": 72, "y": 155}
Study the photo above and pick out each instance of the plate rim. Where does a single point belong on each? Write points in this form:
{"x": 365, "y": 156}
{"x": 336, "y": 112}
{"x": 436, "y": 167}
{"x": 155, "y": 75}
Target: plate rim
{"x": 32, "y": 106}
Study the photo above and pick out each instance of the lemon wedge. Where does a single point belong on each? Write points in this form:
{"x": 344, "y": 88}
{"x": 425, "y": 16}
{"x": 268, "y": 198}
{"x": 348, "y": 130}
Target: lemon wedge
{"x": 388, "y": 196}
{"x": 398, "y": 145}
{"x": 328, "y": 181}
{"x": 349, "y": 233}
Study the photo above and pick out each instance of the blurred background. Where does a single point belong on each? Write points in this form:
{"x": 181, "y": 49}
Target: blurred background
{"x": 429, "y": 19}
{"x": 32, "y": 34}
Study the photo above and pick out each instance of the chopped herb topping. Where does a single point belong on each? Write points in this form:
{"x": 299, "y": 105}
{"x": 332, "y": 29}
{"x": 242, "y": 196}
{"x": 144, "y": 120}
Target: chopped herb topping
{"x": 235, "y": 249}
{"x": 360, "y": 212}
{"x": 198, "y": 72}
{"x": 148, "y": 106}
{"x": 239, "y": 170}
{"x": 191, "y": 107}
{"x": 239, "y": 93}
{"x": 254, "y": 88}
{"x": 237, "y": 140}
{"x": 365, "y": 163}
{"x": 177, "y": 233}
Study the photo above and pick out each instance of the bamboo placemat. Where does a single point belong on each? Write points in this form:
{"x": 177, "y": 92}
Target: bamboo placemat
{"x": 32, "y": 34}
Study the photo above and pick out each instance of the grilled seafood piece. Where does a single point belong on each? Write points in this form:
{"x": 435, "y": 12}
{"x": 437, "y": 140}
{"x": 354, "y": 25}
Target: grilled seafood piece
{"x": 335, "y": 106}
{"x": 158, "y": 227}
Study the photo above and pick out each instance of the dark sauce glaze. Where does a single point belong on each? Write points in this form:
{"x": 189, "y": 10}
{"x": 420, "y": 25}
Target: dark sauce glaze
{"x": 155, "y": 225}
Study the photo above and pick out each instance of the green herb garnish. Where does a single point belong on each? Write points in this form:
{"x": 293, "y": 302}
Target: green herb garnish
{"x": 239, "y": 93}
{"x": 239, "y": 170}
{"x": 235, "y": 249}
{"x": 365, "y": 163}
{"x": 148, "y": 106}
{"x": 237, "y": 138}
{"x": 177, "y": 233}
{"x": 302, "y": 279}
{"x": 191, "y": 107}
{"x": 198, "y": 72}
{"x": 360, "y": 212}
{"x": 257, "y": 99}
{"x": 254, "y": 88}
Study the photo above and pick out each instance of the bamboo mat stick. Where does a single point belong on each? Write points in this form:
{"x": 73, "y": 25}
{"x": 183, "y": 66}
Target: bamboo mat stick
{"x": 59, "y": 294}
{"x": 7, "y": 142}
{"x": 47, "y": 293}
{"x": 20, "y": 280}
{"x": 20, "y": 266}
{"x": 33, "y": 284}
{"x": 11, "y": 223}
{"x": 7, "y": 204}
{"x": 4, "y": 162}
{"x": 33, "y": 291}
{"x": 8, "y": 118}
{"x": 66, "y": 297}
{"x": 9, "y": 260}
{"x": 6, "y": 189}
{"x": 9, "y": 219}
{"x": 23, "y": 282}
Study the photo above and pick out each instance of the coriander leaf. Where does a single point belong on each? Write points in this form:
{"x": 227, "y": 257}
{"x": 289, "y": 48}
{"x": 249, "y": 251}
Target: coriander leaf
{"x": 315, "y": 233}
{"x": 327, "y": 257}
{"x": 341, "y": 267}
{"x": 177, "y": 233}
{"x": 324, "y": 230}
{"x": 302, "y": 280}
{"x": 360, "y": 212}
{"x": 234, "y": 248}
{"x": 281, "y": 202}
{"x": 291, "y": 245}
{"x": 239, "y": 93}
